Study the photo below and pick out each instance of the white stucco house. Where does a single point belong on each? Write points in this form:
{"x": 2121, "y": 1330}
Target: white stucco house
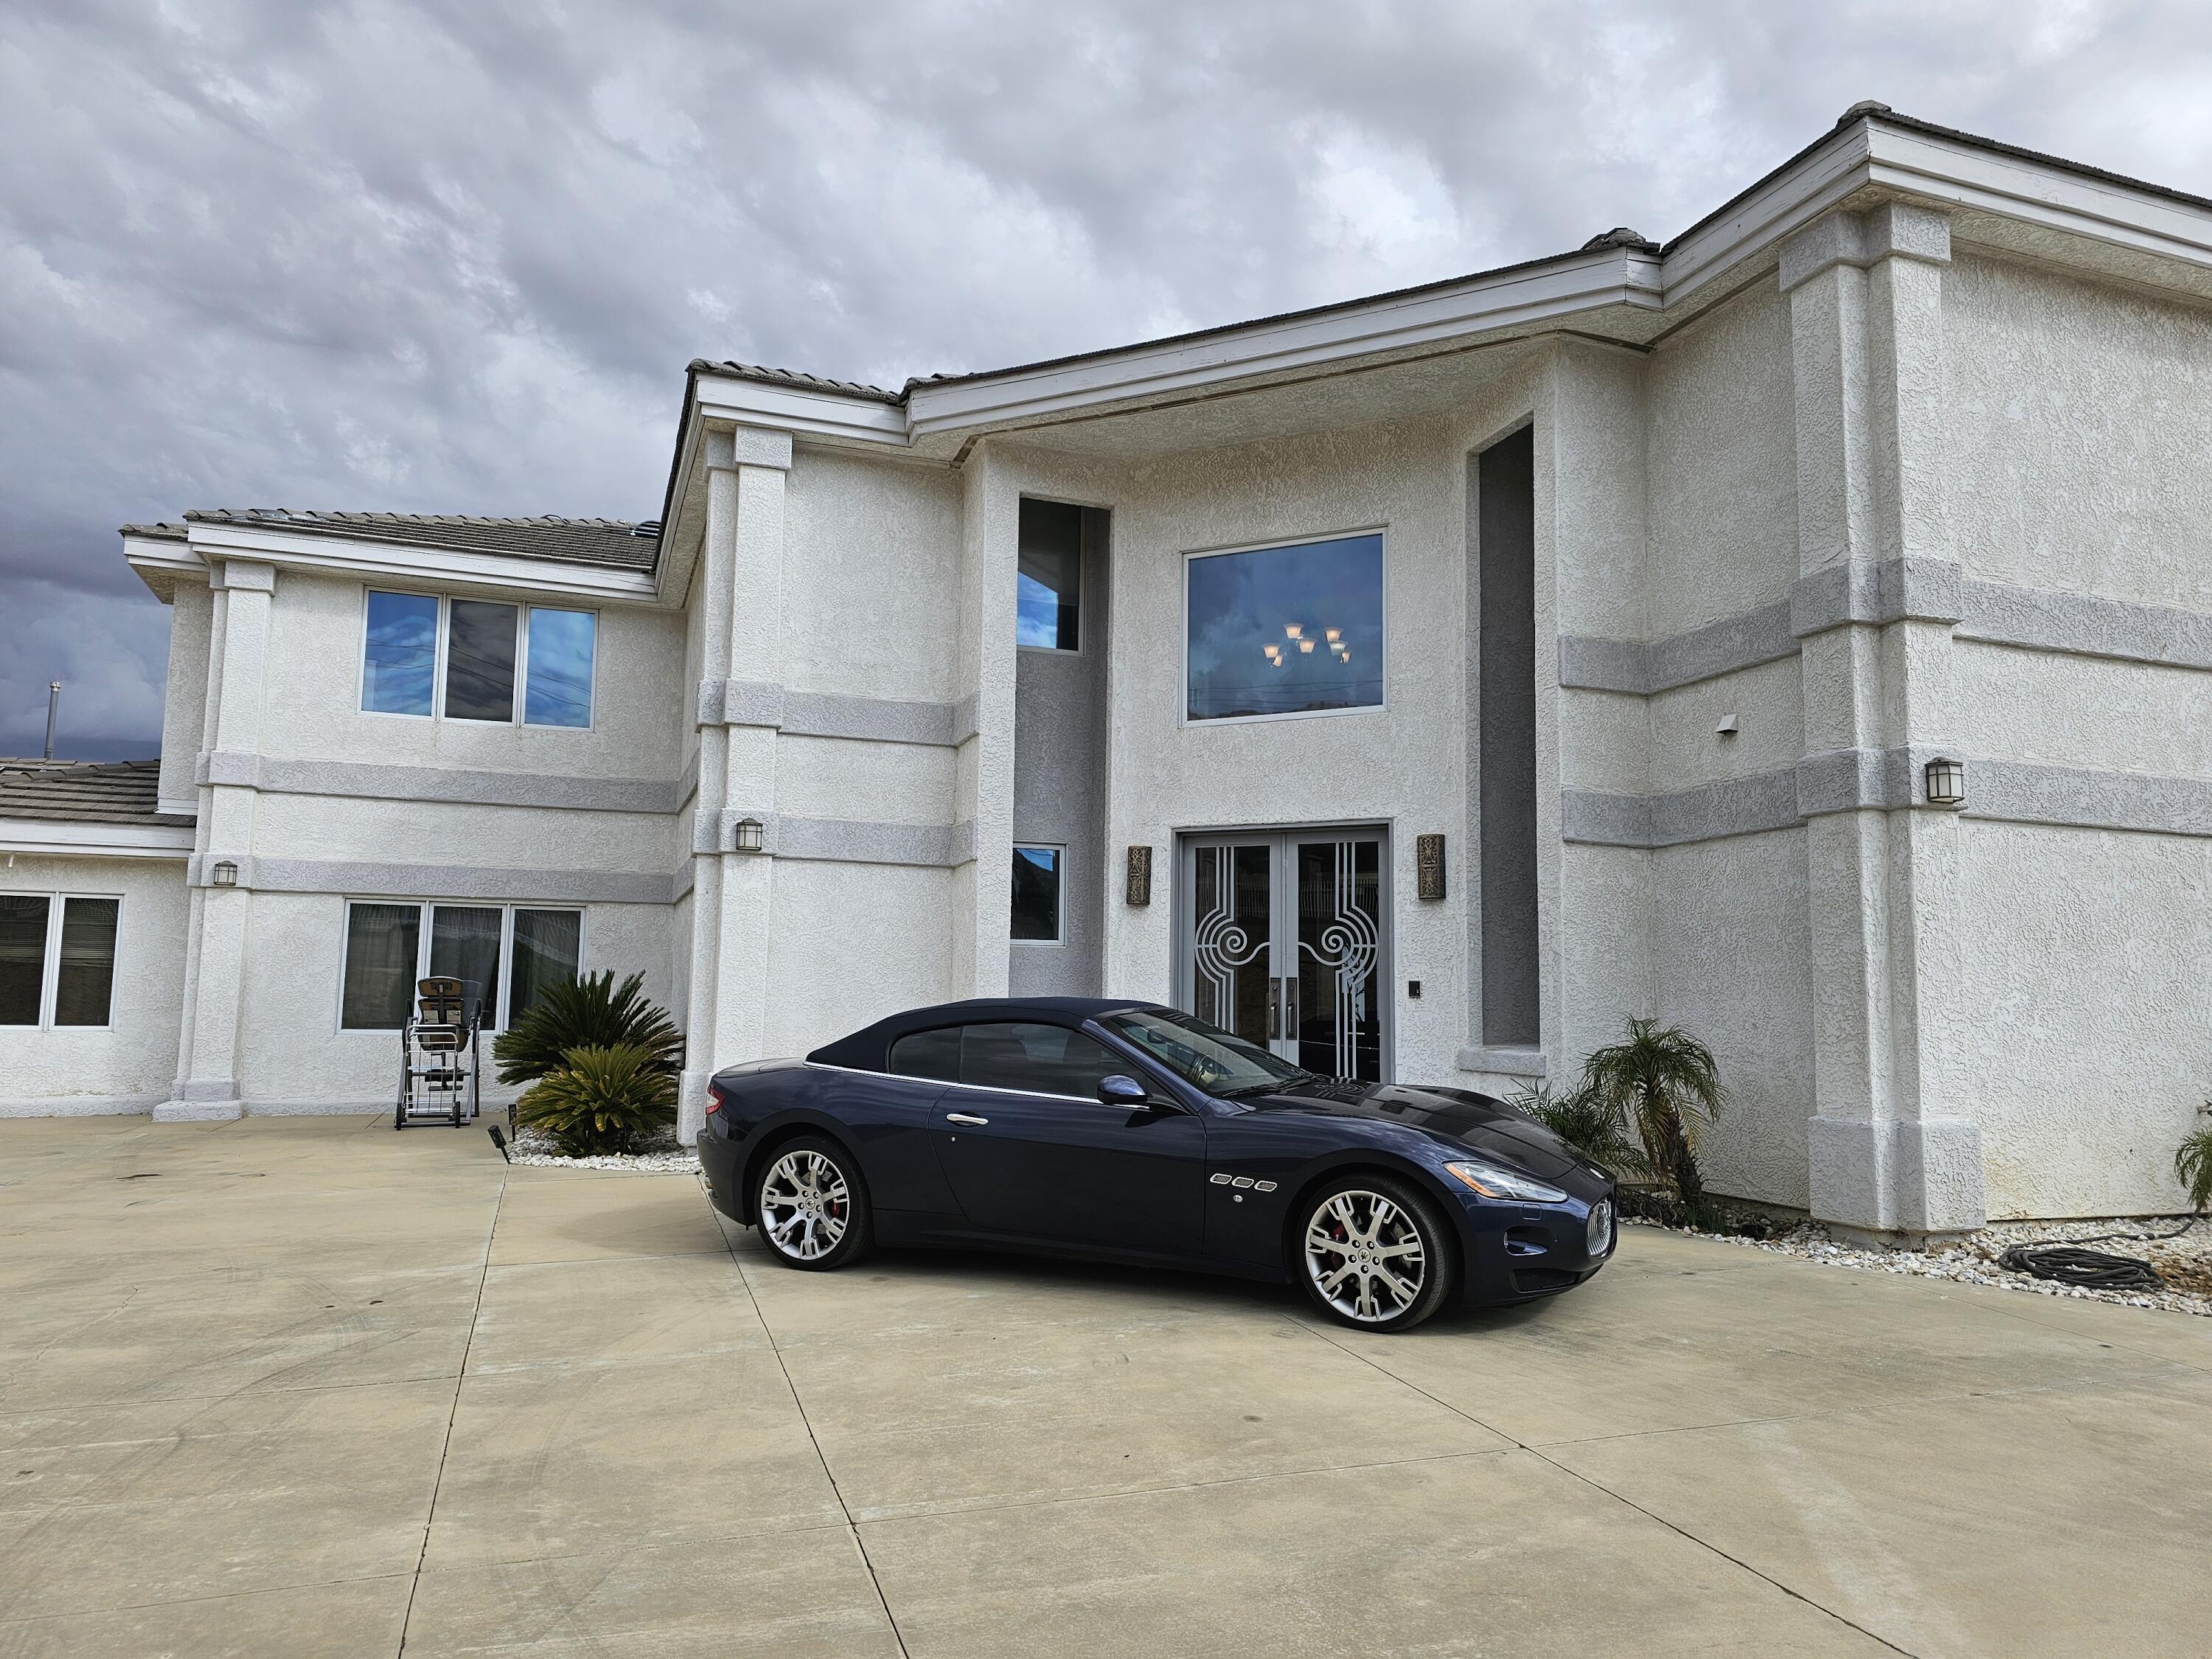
{"x": 1423, "y": 684}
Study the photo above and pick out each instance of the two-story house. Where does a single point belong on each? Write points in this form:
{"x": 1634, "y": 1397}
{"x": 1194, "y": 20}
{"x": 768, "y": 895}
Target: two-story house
{"x": 1801, "y": 631}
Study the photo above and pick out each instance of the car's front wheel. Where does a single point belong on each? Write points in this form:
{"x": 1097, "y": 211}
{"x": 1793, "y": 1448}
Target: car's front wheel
{"x": 1375, "y": 1253}
{"x": 811, "y": 1207}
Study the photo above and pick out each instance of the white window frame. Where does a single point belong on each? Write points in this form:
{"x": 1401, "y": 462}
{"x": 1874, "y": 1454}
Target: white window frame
{"x": 423, "y": 931}
{"x": 50, "y": 967}
{"x": 1192, "y": 555}
{"x": 520, "y": 706}
{"x": 1060, "y": 895}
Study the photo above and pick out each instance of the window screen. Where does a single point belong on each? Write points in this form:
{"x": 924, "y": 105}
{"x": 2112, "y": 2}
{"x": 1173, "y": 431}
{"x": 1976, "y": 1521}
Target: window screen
{"x": 480, "y": 660}
{"x": 22, "y": 957}
{"x": 381, "y": 941}
{"x": 84, "y": 983}
{"x": 1046, "y": 1060}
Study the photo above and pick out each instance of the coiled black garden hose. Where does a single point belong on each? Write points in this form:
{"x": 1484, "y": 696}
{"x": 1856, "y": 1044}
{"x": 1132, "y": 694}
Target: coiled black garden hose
{"x": 2094, "y": 1270}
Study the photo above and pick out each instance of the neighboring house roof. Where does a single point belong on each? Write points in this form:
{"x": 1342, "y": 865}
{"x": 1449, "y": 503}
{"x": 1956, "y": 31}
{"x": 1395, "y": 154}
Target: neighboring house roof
{"x": 613, "y": 543}
{"x": 84, "y": 791}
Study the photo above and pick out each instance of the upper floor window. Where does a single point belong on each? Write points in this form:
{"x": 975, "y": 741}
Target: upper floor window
{"x": 1050, "y": 585}
{"x": 478, "y": 660}
{"x": 1285, "y": 631}
{"x": 57, "y": 958}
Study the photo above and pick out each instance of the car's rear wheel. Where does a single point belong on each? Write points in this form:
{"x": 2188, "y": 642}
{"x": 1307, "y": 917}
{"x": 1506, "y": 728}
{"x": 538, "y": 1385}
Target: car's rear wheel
{"x": 1375, "y": 1253}
{"x": 811, "y": 1207}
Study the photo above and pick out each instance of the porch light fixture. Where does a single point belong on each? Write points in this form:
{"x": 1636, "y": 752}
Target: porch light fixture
{"x": 747, "y": 835}
{"x": 1947, "y": 783}
{"x": 225, "y": 874}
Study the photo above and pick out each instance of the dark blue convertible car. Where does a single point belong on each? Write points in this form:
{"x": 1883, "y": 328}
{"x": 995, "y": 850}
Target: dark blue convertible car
{"x": 1130, "y": 1133}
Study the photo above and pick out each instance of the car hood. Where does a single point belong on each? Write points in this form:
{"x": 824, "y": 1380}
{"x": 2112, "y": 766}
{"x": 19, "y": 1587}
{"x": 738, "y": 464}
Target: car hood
{"x": 1478, "y": 1122}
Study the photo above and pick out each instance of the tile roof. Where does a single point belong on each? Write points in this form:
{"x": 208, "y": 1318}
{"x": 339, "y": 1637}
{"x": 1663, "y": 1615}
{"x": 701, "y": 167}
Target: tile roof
{"x": 162, "y": 533}
{"x": 83, "y": 792}
{"x": 616, "y": 544}
{"x": 791, "y": 377}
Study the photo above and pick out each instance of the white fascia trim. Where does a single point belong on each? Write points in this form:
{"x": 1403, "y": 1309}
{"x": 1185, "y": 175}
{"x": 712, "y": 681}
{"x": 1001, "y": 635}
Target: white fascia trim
{"x": 436, "y": 566}
{"x": 824, "y": 414}
{"x": 1782, "y": 204}
{"x": 61, "y": 838}
{"x": 162, "y": 553}
{"x": 1556, "y": 288}
{"x": 2009, "y": 186}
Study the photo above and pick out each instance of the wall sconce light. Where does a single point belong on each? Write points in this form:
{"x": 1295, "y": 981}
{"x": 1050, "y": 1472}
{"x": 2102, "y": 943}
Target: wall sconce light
{"x": 1947, "y": 783}
{"x": 225, "y": 874}
{"x": 1138, "y": 890}
{"x": 747, "y": 835}
{"x": 1428, "y": 868}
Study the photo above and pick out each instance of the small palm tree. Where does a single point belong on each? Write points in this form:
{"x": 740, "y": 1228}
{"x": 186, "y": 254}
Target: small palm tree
{"x": 601, "y": 1100}
{"x": 1667, "y": 1083}
{"x": 590, "y": 1012}
{"x": 1592, "y": 1127}
{"x": 2192, "y": 1164}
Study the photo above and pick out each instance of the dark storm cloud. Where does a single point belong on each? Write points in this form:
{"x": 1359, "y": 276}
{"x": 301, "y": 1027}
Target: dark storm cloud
{"x": 453, "y": 256}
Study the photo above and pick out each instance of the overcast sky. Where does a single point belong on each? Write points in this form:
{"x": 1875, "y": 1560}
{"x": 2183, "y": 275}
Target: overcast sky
{"x": 453, "y": 256}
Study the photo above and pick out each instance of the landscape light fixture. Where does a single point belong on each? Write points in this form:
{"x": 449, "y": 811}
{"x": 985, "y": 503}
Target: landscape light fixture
{"x": 1947, "y": 783}
{"x": 749, "y": 836}
{"x": 225, "y": 874}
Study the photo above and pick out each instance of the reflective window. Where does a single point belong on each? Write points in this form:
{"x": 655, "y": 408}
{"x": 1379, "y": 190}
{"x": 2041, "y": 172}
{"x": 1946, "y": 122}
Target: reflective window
{"x": 559, "y": 685}
{"x": 1037, "y": 893}
{"x": 399, "y": 664}
{"x": 548, "y": 948}
{"x": 479, "y": 661}
{"x": 22, "y": 957}
{"x": 1285, "y": 630}
{"x": 1050, "y": 580}
{"x": 1046, "y": 1060}
{"x": 379, "y": 965}
{"x": 464, "y": 945}
{"x": 934, "y": 1055}
{"x": 84, "y": 978}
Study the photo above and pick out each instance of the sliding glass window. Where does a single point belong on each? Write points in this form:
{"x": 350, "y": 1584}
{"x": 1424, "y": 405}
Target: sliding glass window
{"x": 1284, "y": 630}
{"x": 476, "y": 660}
{"x": 58, "y": 959}
{"x": 389, "y": 947}
{"x": 399, "y": 664}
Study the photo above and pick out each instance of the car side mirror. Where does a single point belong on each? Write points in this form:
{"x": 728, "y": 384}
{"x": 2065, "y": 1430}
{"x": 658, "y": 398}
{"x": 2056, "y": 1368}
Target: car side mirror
{"x": 1119, "y": 1089}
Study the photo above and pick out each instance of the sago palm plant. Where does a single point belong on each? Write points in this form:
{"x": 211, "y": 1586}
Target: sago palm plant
{"x": 2192, "y": 1164}
{"x": 589, "y": 1012}
{"x": 600, "y": 1100}
{"x": 1667, "y": 1083}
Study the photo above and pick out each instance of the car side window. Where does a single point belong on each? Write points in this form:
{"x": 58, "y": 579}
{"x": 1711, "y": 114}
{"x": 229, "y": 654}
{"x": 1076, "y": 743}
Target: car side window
{"x": 932, "y": 1055}
{"x": 1046, "y": 1060}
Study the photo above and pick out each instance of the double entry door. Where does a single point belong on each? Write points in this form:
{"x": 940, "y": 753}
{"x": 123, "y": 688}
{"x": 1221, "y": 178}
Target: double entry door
{"x": 1286, "y": 941}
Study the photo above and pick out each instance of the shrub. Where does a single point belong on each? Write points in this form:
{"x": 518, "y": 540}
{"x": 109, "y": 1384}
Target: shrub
{"x": 2192, "y": 1164}
{"x": 601, "y": 1100}
{"x": 1589, "y": 1125}
{"x": 591, "y": 1012}
{"x": 1667, "y": 1083}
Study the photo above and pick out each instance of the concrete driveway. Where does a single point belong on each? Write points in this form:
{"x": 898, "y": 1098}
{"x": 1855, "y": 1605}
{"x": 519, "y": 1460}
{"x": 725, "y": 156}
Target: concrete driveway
{"x": 306, "y": 1387}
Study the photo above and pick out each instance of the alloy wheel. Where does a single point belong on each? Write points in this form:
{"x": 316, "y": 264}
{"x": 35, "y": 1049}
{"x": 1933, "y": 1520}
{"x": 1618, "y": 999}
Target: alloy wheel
{"x": 1364, "y": 1256}
{"x": 804, "y": 1205}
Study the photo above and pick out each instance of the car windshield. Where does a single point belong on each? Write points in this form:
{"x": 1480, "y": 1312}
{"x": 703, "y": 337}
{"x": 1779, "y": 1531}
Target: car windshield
{"x": 1203, "y": 1054}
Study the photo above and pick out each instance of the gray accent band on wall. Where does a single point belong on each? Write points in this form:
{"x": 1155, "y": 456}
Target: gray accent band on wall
{"x": 450, "y": 881}
{"x": 1876, "y": 595}
{"x": 452, "y": 785}
{"x": 837, "y": 840}
{"x": 833, "y": 714}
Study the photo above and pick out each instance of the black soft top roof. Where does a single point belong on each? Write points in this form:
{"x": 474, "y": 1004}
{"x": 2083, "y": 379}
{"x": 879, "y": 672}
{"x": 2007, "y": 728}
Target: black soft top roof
{"x": 867, "y": 1049}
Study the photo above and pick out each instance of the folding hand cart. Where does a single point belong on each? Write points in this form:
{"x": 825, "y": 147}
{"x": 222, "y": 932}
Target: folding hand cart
{"x": 439, "y": 1080}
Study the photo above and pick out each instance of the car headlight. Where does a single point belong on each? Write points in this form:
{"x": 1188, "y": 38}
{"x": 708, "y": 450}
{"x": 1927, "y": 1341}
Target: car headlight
{"x": 1496, "y": 1181}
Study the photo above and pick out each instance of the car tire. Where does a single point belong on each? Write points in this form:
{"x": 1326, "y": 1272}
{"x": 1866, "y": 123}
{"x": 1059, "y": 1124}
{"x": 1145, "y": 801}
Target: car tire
{"x": 1351, "y": 1245}
{"x": 811, "y": 1206}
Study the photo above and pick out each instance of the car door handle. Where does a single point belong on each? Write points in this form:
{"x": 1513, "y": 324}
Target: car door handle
{"x": 966, "y": 1117}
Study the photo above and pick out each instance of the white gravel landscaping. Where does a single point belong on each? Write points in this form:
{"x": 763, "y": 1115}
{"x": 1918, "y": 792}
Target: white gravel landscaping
{"x": 2185, "y": 1263}
{"x": 661, "y": 1156}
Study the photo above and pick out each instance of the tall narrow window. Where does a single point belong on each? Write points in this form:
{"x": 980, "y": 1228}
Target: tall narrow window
{"x": 1037, "y": 893}
{"x": 548, "y": 948}
{"x": 479, "y": 661}
{"x": 398, "y": 674}
{"x": 1049, "y": 583}
{"x": 464, "y": 945}
{"x": 1505, "y": 757}
{"x": 84, "y": 980}
{"x": 22, "y": 957}
{"x": 382, "y": 943}
{"x": 559, "y": 688}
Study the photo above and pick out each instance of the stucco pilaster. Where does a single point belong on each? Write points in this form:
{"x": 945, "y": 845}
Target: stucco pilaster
{"x": 983, "y": 887}
{"x": 1888, "y": 1148}
{"x": 209, "y": 1042}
